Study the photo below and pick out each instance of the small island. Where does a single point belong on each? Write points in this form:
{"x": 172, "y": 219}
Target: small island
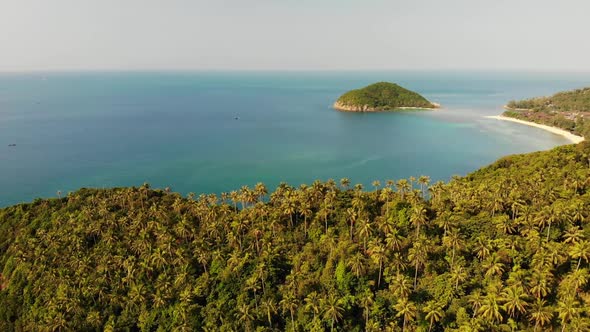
{"x": 568, "y": 110}
{"x": 382, "y": 96}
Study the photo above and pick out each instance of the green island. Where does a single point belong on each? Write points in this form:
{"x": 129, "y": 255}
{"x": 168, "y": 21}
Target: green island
{"x": 506, "y": 248}
{"x": 567, "y": 110}
{"x": 382, "y": 96}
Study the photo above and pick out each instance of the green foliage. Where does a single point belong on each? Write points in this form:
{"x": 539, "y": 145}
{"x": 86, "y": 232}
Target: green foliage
{"x": 383, "y": 96}
{"x": 504, "y": 248}
{"x": 567, "y": 110}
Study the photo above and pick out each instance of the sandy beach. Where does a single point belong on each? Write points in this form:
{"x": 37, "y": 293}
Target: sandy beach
{"x": 573, "y": 138}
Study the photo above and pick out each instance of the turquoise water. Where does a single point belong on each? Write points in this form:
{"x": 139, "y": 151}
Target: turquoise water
{"x": 176, "y": 129}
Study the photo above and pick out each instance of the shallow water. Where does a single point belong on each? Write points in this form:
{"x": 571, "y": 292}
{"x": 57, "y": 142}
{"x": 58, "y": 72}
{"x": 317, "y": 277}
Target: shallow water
{"x": 177, "y": 129}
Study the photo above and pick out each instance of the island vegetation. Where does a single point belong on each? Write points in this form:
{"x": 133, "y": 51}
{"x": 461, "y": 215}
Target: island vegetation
{"x": 506, "y": 248}
{"x": 382, "y": 96}
{"x": 569, "y": 110}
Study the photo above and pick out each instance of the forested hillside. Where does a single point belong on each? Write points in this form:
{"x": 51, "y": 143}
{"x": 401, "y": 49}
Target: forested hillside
{"x": 568, "y": 110}
{"x": 381, "y": 96}
{"x": 504, "y": 249}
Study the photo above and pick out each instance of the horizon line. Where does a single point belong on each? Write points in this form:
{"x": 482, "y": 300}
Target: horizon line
{"x": 155, "y": 70}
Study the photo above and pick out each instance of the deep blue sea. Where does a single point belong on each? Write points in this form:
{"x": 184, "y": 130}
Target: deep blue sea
{"x": 179, "y": 129}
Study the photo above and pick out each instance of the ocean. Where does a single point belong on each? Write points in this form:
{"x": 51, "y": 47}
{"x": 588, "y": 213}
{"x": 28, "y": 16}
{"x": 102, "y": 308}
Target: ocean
{"x": 210, "y": 132}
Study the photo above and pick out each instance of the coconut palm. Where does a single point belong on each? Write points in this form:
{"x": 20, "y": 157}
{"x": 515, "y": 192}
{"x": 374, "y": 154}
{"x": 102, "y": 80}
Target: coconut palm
{"x": 289, "y": 304}
{"x": 418, "y": 217}
{"x": 567, "y": 309}
{"x": 377, "y": 253}
{"x": 357, "y": 264}
{"x": 424, "y": 181}
{"x": 332, "y": 309}
{"x": 434, "y": 313}
{"x": 580, "y": 250}
{"x": 405, "y": 309}
{"x": 515, "y": 300}
{"x": 269, "y": 308}
{"x": 312, "y": 303}
{"x": 245, "y": 316}
{"x": 540, "y": 314}
{"x": 366, "y": 300}
{"x": 400, "y": 286}
{"x": 417, "y": 255}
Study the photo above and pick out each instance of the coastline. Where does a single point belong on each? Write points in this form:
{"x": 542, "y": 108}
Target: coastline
{"x": 364, "y": 108}
{"x": 508, "y": 108}
{"x": 571, "y": 137}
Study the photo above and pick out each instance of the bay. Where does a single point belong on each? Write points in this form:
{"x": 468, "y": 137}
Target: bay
{"x": 210, "y": 132}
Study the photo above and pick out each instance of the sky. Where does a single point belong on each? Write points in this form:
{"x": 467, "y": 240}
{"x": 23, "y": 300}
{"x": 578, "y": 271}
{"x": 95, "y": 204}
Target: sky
{"x": 294, "y": 34}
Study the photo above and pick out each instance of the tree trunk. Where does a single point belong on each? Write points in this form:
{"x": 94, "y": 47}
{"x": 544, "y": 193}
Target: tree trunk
{"x": 379, "y": 279}
{"x": 416, "y": 275}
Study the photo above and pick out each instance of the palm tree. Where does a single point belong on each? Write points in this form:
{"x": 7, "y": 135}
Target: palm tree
{"x": 377, "y": 253}
{"x": 453, "y": 240}
{"x": 400, "y": 286}
{"x": 344, "y": 182}
{"x": 351, "y": 216}
{"x": 424, "y": 181}
{"x": 306, "y": 211}
{"x": 580, "y": 250}
{"x": 365, "y": 231}
{"x": 540, "y": 314}
{"x": 514, "y": 298}
{"x": 357, "y": 264}
{"x": 394, "y": 240}
{"x": 270, "y": 308}
{"x": 548, "y": 216}
{"x": 418, "y": 255}
{"x": 260, "y": 190}
{"x": 398, "y": 263}
{"x": 312, "y": 303}
{"x": 332, "y": 309}
{"x": 434, "y": 312}
{"x": 366, "y": 301}
{"x": 490, "y": 309}
{"x": 573, "y": 235}
{"x": 483, "y": 247}
{"x": 539, "y": 283}
{"x": 402, "y": 187}
{"x": 458, "y": 275}
{"x": 376, "y": 184}
{"x": 493, "y": 266}
{"x": 244, "y": 316}
{"x": 418, "y": 217}
{"x": 289, "y": 303}
{"x": 567, "y": 309}
{"x": 476, "y": 301}
{"x": 407, "y": 310}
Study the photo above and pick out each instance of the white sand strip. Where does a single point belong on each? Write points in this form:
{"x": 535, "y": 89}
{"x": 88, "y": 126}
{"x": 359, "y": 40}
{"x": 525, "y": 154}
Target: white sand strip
{"x": 573, "y": 138}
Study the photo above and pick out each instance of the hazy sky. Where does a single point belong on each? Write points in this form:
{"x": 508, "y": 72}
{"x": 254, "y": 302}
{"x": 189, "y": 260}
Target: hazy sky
{"x": 294, "y": 34}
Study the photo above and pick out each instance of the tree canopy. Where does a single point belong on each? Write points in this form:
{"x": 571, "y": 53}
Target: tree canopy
{"x": 568, "y": 110}
{"x": 505, "y": 248}
{"x": 380, "y": 97}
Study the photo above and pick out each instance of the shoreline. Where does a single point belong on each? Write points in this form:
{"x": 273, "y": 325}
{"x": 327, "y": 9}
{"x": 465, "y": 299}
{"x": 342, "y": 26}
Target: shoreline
{"x": 365, "y": 109}
{"x": 508, "y": 108}
{"x": 569, "y": 136}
